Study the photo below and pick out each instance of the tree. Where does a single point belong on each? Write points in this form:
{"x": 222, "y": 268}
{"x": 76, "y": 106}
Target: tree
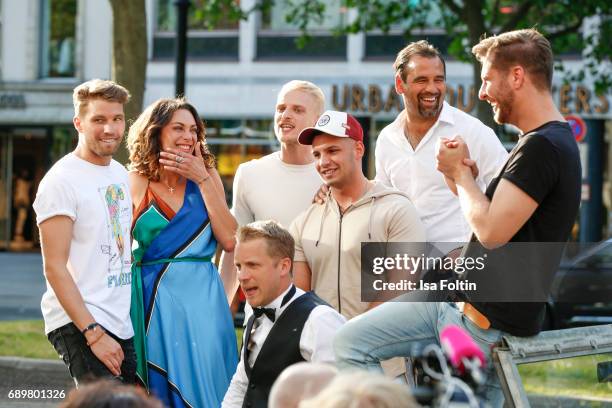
{"x": 129, "y": 62}
{"x": 465, "y": 21}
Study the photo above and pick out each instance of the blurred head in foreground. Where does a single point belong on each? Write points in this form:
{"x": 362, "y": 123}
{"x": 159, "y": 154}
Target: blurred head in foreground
{"x": 362, "y": 390}
{"x": 298, "y": 382}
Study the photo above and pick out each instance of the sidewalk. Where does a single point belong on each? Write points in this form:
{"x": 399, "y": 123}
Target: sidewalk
{"x": 22, "y": 287}
{"x": 40, "y": 376}
{"x": 23, "y": 284}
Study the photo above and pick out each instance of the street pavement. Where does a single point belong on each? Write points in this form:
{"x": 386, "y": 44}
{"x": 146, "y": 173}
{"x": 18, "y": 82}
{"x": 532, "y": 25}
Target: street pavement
{"x": 47, "y": 381}
{"x": 22, "y": 287}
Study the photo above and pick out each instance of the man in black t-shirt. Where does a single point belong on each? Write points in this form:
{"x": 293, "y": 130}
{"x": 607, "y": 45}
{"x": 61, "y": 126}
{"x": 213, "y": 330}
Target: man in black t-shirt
{"x": 535, "y": 198}
{"x": 536, "y": 195}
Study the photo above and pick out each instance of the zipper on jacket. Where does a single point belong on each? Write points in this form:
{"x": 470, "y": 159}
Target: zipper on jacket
{"x": 339, "y": 253}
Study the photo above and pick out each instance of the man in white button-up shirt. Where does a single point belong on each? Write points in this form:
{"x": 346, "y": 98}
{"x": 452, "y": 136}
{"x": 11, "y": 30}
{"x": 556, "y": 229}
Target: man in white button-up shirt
{"x": 405, "y": 149}
{"x": 288, "y": 325}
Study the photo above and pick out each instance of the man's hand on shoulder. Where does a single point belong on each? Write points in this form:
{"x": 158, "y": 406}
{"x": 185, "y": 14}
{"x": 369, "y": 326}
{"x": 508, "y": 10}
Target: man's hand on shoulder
{"x": 321, "y": 195}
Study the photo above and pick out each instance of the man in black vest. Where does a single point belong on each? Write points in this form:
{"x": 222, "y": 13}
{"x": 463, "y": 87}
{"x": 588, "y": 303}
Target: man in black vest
{"x": 288, "y": 325}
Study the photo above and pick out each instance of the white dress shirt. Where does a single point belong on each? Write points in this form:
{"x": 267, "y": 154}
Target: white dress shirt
{"x": 315, "y": 342}
{"x": 413, "y": 171}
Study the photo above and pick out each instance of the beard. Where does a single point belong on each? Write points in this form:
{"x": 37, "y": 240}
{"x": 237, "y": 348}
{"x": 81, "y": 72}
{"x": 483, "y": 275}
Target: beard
{"x": 101, "y": 149}
{"x": 504, "y": 101}
{"x": 433, "y": 111}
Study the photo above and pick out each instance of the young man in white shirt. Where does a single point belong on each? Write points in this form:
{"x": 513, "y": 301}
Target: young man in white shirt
{"x": 279, "y": 185}
{"x": 405, "y": 149}
{"x": 84, "y": 213}
{"x": 288, "y": 325}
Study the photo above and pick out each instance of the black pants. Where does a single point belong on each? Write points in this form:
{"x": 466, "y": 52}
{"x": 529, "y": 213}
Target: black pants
{"x": 84, "y": 366}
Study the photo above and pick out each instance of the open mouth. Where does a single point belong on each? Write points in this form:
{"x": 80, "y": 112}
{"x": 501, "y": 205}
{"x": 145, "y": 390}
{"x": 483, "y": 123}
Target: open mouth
{"x": 286, "y": 127}
{"x": 184, "y": 148}
{"x": 328, "y": 172}
{"x": 250, "y": 292}
{"x": 429, "y": 100}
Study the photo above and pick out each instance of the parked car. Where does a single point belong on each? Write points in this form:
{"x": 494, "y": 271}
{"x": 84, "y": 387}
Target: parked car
{"x": 582, "y": 289}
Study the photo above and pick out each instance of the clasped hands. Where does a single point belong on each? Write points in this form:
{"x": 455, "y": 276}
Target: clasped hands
{"x": 453, "y": 161}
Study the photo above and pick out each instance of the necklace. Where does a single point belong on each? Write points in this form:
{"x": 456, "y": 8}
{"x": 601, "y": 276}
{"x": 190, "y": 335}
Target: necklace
{"x": 170, "y": 188}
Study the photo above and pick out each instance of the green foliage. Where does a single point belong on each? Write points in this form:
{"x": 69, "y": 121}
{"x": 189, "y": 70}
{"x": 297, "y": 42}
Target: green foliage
{"x": 213, "y": 13}
{"x": 463, "y": 20}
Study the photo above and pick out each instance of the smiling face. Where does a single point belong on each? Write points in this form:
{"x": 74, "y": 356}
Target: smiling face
{"x": 262, "y": 277}
{"x": 496, "y": 90}
{"x": 101, "y": 126}
{"x": 180, "y": 133}
{"x": 425, "y": 87}
{"x": 295, "y": 110}
{"x": 337, "y": 159}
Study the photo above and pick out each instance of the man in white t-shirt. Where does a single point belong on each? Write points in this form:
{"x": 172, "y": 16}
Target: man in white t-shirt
{"x": 406, "y": 148}
{"x": 84, "y": 214}
{"x": 280, "y": 185}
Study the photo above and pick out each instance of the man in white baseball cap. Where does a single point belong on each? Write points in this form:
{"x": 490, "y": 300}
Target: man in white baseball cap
{"x": 328, "y": 237}
{"x": 334, "y": 123}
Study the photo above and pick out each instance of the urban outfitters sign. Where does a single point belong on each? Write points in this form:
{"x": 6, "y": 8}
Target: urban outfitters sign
{"x": 570, "y": 98}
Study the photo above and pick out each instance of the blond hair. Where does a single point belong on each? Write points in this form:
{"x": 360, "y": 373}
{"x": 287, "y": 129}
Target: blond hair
{"x": 527, "y": 48}
{"x": 300, "y": 381}
{"x": 143, "y": 139}
{"x": 98, "y": 89}
{"x": 307, "y": 87}
{"x": 360, "y": 389}
{"x": 279, "y": 242}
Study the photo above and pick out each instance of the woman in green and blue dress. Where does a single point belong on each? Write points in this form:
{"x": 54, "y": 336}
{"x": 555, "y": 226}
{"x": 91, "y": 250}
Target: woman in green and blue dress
{"x": 185, "y": 338}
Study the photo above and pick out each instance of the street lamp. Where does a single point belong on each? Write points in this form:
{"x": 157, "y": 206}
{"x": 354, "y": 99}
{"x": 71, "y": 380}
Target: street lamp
{"x": 181, "y": 45}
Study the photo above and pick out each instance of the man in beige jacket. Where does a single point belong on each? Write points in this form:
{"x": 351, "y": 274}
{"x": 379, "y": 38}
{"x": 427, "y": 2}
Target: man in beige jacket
{"x": 328, "y": 237}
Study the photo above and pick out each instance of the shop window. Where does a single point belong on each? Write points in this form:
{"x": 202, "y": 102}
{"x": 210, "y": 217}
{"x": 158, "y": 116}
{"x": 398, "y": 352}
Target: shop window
{"x": 235, "y": 141}
{"x": 278, "y": 36}
{"x": 58, "y": 38}
{"x": 202, "y": 42}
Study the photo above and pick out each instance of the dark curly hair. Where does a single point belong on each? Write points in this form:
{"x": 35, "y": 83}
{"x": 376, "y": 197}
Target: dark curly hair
{"x": 143, "y": 138}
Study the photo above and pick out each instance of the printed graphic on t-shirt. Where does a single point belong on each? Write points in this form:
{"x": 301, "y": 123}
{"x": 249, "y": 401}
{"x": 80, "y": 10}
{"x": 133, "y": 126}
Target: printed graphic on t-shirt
{"x": 117, "y": 204}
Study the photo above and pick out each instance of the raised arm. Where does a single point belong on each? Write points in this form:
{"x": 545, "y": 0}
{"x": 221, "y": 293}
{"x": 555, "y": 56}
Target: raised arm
{"x": 192, "y": 167}
{"x": 493, "y": 221}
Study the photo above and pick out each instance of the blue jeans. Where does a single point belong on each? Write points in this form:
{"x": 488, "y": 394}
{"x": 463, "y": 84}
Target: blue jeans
{"x": 394, "y": 328}
{"x": 82, "y": 363}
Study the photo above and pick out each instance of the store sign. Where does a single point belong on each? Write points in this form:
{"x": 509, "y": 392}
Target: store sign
{"x": 12, "y": 101}
{"x": 374, "y": 98}
{"x": 580, "y": 99}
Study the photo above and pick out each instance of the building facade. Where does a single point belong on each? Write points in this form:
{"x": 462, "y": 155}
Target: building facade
{"x": 233, "y": 75}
